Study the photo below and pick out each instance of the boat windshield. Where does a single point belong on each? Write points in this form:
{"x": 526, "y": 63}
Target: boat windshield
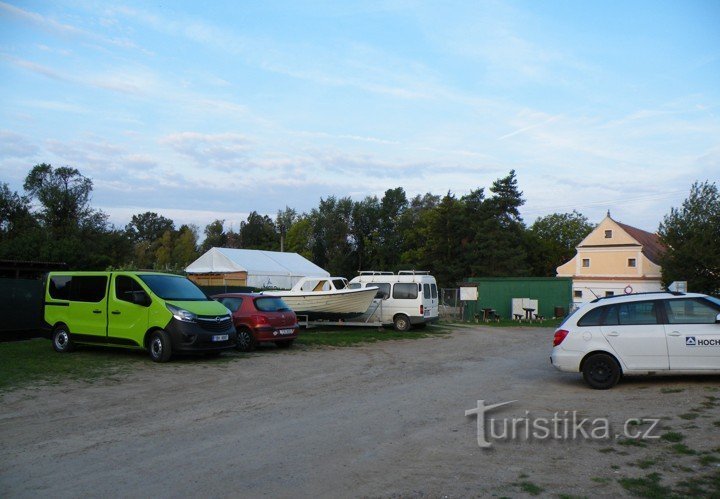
{"x": 339, "y": 283}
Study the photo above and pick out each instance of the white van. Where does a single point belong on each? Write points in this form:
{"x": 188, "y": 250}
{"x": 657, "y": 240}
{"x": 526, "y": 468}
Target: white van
{"x": 408, "y": 298}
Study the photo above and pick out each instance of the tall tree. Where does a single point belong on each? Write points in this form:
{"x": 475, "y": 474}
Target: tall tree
{"x": 259, "y": 232}
{"x": 552, "y": 241}
{"x": 392, "y": 205}
{"x": 146, "y": 231}
{"x": 692, "y": 236}
{"x": 364, "y": 228}
{"x": 20, "y": 235}
{"x": 215, "y": 236}
{"x": 331, "y": 237}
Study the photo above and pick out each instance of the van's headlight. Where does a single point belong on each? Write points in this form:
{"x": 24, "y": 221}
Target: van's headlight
{"x": 181, "y": 314}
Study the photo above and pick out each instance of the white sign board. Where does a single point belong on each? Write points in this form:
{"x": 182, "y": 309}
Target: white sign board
{"x": 468, "y": 294}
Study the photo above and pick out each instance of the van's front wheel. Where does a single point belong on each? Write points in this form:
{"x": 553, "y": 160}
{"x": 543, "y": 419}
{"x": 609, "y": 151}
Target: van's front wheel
{"x": 401, "y": 322}
{"x": 160, "y": 346}
{"x": 61, "y": 340}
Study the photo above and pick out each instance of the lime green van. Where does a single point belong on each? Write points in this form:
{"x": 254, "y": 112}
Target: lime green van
{"x": 161, "y": 313}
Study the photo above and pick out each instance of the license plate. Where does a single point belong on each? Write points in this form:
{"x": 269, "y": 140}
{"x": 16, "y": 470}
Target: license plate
{"x": 220, "y": 337}
{"x": 284, "y": 332}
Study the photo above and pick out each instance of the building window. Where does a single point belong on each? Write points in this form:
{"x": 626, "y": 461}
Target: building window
{"x": 585, "y": 262}
{"x": 609, "y": 293}
{"x": 577, "y": 293}
{"x": 608, "y": 234}
{"x": 632, "y": 262}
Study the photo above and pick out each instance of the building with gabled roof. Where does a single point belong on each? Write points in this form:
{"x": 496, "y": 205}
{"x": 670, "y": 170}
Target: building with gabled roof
{"x": 613, "y": 259}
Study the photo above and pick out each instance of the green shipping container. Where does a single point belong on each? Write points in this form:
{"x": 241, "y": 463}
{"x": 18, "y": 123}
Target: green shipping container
{"x": 554, "y": 295}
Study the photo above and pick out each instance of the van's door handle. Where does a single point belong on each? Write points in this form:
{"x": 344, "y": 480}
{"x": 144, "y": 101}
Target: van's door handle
{"x": 613, "y": 333}
{"x": 674, "y": 333}
{"x": 115, "y": 312}
{"x": 97, "y": 311}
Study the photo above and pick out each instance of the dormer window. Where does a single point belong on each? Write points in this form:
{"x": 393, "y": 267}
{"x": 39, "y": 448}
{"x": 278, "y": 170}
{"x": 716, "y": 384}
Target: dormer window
{"x": 608, "y": 234}
{"x": 632, "y": 262}
{"x": 586, "y": 262}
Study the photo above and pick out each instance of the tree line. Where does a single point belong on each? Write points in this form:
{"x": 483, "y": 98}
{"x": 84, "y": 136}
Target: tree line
{"x": 480, "y": 234}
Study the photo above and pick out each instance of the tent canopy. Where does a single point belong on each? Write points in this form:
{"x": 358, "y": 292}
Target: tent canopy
{"x": 265, "y": 269}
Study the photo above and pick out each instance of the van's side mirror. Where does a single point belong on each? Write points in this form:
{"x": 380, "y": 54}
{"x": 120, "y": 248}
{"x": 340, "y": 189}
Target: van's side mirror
{"x": 141, "y": 298}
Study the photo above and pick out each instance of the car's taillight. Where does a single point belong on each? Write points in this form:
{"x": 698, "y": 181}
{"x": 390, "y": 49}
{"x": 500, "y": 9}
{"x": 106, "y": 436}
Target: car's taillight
{"x": 421, "y": 310}
{"x": 560, "y": 335}
{"x": 259, "y": 320}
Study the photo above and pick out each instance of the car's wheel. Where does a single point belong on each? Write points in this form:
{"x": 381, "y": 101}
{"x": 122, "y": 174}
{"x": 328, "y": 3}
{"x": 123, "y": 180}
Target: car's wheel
{"x": 601, "y": 371}
{"x": 245, "y": 341}
{"x": 159, "y": 346}
{"x": 401, "y": 322}
{"x": 284, "y": 344}
{"x": 61, "y": 339}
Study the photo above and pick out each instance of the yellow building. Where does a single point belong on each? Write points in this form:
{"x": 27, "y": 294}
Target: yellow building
{"x": 614, "y": 259}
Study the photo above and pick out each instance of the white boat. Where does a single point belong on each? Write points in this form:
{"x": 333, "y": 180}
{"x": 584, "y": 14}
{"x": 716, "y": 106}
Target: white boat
{"x": 326, "y": 298}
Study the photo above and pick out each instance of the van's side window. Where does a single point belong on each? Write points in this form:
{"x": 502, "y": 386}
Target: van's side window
{"x": 87, "y": 288}
{"x": 405, "y": 291}
{"x": 426, "y": 291}
{"x": 383, "y": 289}
{"x": 60, "y": 287}
{"x": 126, "y": 287}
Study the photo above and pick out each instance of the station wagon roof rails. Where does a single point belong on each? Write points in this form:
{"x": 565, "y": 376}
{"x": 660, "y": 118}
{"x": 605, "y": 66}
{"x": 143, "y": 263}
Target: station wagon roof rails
{"x": 674, "y": 293}
{"x": 413, "y": 272}
{"x": 374, "y": 272}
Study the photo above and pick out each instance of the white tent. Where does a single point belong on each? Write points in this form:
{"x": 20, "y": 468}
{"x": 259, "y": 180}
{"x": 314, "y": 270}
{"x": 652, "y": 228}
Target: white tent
{"x": 265, "y": 269}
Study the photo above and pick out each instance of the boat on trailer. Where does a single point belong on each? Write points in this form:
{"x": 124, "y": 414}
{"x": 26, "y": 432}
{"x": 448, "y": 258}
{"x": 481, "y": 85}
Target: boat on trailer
{"x": 326, "y": 298}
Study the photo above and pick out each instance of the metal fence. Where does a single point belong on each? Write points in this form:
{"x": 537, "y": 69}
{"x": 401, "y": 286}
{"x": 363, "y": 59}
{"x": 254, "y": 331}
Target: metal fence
{"x": 450, "y": 306}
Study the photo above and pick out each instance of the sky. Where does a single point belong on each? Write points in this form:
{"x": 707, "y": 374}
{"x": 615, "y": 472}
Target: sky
{"x": 210, "y": 110}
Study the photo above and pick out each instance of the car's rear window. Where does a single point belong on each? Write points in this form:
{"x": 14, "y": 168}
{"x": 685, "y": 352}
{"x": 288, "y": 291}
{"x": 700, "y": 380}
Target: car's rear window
{"x": 270, "y": 304}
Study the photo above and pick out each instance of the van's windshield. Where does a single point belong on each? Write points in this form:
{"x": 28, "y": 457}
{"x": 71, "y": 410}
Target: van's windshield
{"x": 176, "y": 288}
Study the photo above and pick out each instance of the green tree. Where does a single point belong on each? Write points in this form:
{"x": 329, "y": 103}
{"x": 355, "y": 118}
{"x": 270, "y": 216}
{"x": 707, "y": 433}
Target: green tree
{"x": 331, "y": 236}
{"x": 72, "y": 231}
{"x": 20, "y": 235}
{"x": 552, "y": 241}
{"x": 364, "y": 228}
{"x": 498, "y": 243}
{"x": 691, "y": 234}
{"x": 146, "y": 231}
{"x": 299, "y": 237}
{"x": 392, "y": 205}
{"x": 215, "y": 236}
{"x": 259, "y": 232}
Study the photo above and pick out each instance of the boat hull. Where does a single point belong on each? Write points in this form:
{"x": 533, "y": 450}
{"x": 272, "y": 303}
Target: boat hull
{"x": 343, "y": 304}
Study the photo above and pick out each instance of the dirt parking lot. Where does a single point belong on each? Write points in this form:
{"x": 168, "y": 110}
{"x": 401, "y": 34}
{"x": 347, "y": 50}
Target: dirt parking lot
{"x": 384, "y": 419}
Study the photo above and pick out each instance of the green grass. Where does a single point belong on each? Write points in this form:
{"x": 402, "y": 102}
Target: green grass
{"x": 648, "y": 486}
{"x": 530, "y": 488}
{"x": 683, "y": 450}
{"x": 689, "y": 416}
{"x": 34, "y": 361}
{"x": 548, "y": 323}
{"x": 351, "y": 336}
{"x": 672, "y": 436}
{"x": 672, "y": 390}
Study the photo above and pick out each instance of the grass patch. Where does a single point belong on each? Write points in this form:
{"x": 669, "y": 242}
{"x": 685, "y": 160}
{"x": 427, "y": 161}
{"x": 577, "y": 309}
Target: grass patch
{"x": 648, "y": 486}
{"x": 644, "y": 464}
{"x": 632, "y": 442}
{"x": 672, "y": 390}
{"x": 601, "y": 480}
{"x": 707, "y": 485}
{"x": 530, "y": 488}
{"x": 709, "y": 459}
{"x": 689, "y": 415}
{"x": 548, "y": 323}
{"x": 683, "y": 450}
{"x": 606, "y": 450}
{"x": 351, "y": 336}
{"x": 34, "y": 361}
{"x": 673, "y": 436}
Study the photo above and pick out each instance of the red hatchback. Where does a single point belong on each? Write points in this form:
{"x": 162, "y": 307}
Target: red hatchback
{"x": 259, "y": 318}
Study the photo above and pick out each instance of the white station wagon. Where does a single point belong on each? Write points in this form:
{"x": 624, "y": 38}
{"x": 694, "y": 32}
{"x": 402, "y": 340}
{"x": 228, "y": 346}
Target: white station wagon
{"x": 644, "y": 333}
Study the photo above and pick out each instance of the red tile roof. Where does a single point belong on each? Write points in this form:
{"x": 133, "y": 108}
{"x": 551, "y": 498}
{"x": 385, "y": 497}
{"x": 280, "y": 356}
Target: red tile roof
{"x": 651, "y": 245}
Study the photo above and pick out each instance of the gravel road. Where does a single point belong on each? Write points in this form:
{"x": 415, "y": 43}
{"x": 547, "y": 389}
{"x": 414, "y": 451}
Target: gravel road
{"x": 385, "y": 419}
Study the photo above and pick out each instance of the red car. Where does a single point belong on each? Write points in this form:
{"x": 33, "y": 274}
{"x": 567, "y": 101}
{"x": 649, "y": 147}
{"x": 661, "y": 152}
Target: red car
{"x": 259, "y": 318}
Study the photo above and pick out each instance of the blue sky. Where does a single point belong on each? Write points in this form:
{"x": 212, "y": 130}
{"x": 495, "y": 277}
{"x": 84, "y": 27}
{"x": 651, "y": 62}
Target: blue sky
{"x": 200, "y": 112}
